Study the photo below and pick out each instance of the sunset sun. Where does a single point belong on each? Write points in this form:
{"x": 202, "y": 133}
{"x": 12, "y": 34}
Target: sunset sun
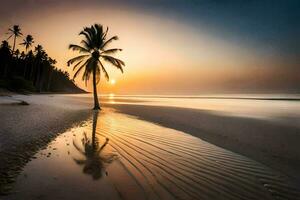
{"x": 113, "y": 82}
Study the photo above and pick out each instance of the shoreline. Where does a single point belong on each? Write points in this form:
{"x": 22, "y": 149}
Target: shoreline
{"x": 4, "y": 92}
{"x": 271, "y": 144}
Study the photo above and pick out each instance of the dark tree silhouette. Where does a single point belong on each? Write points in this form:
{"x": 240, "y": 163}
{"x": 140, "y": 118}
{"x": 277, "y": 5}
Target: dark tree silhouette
{"x": 27, "y": 42}
{"x": 29, "y": 65}
{"x": 52, "y": 62}
{"x": 5, "y": 57}
{"x": 14, "y": 32}
{"x": 41, "y": 57}
{"x": 32, "y": 71}
{"x": 93, "y": 53}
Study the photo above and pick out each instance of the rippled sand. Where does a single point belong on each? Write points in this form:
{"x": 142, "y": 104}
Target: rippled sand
{"x": 114, "y": 156}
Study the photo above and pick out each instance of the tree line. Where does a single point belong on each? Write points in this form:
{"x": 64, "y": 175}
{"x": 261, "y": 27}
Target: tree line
{"x": 30, "y": 70}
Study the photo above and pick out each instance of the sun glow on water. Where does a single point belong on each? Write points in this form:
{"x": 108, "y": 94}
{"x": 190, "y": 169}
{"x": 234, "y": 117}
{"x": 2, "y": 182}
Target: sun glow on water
{"x": 111, "y": 96}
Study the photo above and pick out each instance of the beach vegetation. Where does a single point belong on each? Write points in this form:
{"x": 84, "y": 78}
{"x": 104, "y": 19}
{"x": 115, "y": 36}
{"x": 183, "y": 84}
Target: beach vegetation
{"x": 32, "y": 70}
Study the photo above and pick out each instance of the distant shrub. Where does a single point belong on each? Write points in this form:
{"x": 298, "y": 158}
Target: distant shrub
{"x": 20, "y": 84}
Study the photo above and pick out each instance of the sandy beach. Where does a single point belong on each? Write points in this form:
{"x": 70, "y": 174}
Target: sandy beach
{"x": 158, "y": 154}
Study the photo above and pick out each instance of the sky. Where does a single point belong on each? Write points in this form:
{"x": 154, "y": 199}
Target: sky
{"x": 175, "y": 46}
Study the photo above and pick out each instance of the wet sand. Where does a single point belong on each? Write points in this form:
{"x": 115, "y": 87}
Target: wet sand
{"x": 115, "y": 156}
{"x": 271, "y": 143}
{"x": 151, "y": 161}
{"x": 25, "y": 129}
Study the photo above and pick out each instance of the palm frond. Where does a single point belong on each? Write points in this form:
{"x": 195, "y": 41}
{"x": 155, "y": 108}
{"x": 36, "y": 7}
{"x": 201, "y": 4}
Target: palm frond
{"x": 93, "y": 65}
{"x": 91, "y": 33}
{"x": 77, "y": 58}
{"x": 109, "y": 41}
{"x": 86, "y": 76}
{"x": 104, "y": 70}
{"x": 79, "y": 69}
{"x": 105, "y": 143}
{"x": 86, "y": 44}
{"x": 98, "y": 29}
{"x": 105, "y": 34}
{"x": 78, "y": 148}
{"x": 79, "y": 161}
{"x": 9, "y": 37}
{"x": 88, "y": 70}
{"x": 87, "y": 36}
{"x": 75, "y": 66}
{"x": 75, "y": 47}
{"x": 114, "y": 61}
{"x": 111, "y": 51}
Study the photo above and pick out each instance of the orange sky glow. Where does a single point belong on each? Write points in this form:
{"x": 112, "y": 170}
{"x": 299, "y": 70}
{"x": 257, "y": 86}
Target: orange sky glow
{"x": 162, "y": 55}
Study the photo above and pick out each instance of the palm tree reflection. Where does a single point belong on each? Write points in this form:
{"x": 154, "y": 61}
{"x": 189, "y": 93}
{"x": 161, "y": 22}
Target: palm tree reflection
{"x": 95, "y": 160}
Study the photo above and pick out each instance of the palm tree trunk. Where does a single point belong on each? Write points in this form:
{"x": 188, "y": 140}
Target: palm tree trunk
{"x": 13, "y": 51}
{"x": 96, "y": 101}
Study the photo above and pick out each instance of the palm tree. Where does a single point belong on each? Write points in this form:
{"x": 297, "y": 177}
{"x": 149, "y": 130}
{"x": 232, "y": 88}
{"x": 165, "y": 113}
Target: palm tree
{"x": 40, "y": 55}
{"x": 27, "y": 42}
{"x": 5, "y": 45}
{"x": 93, "y": 53}
{"x": 15, "y": 32}
{"x": 40, "y": 61}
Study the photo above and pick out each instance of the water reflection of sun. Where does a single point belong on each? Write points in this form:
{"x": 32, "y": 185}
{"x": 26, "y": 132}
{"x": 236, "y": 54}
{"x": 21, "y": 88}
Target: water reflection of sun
{"x": 111, "y": 97}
